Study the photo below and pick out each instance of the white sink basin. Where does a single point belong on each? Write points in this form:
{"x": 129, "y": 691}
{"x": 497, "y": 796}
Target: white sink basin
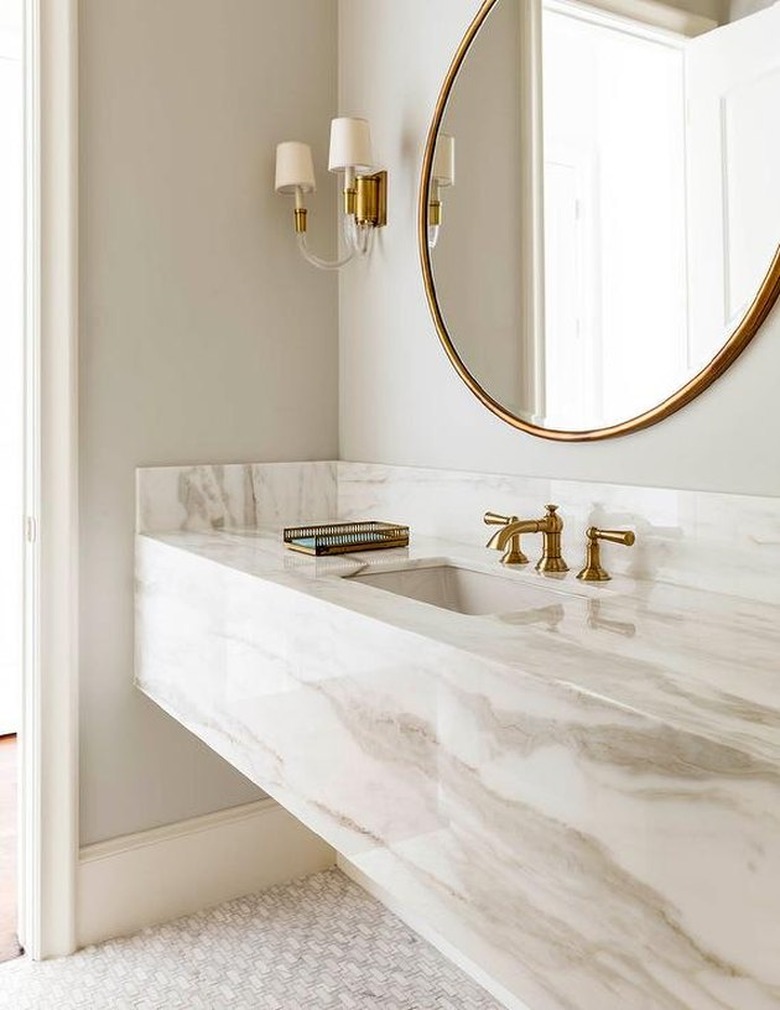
{"x": 460, "y": 589}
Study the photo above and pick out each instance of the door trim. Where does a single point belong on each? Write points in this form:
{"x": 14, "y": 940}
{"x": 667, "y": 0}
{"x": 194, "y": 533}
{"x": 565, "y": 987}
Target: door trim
{"x": 49, "y": 737}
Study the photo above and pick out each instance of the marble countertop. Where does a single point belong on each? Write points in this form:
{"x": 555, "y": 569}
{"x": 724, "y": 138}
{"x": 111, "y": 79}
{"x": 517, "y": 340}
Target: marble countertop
{"x": 699, "y": 662}
{"x": 582, "y": 797}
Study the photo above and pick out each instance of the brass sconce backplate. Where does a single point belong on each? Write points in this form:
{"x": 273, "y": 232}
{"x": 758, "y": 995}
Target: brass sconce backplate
{"x": 371, "y": 203}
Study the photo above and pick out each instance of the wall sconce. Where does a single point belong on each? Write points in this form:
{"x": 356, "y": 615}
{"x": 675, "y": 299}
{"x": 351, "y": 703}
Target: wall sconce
{"x": 364, "y": 191}
{"x": 442, "y": 175}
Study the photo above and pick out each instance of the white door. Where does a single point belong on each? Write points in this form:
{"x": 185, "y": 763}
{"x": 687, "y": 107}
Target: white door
{"x": 11, "y": 374}
{"x": 614, "y": 196}
{"x": 733, "y": 96}
{"x": 572, "y": 379}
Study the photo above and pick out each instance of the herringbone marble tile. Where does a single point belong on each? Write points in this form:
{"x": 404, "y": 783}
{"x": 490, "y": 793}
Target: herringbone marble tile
{"x": 315, "y": 944}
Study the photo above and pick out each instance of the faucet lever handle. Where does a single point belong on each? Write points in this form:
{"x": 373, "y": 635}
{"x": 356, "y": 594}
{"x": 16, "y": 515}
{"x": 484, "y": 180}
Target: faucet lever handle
{"x": 496, "y": 519}
{"x": 625, "y": 537}
{"x": 593, "y": 570}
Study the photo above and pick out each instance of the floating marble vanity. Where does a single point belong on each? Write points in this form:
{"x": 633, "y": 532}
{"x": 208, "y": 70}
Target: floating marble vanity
{"x": 578, "y": 791}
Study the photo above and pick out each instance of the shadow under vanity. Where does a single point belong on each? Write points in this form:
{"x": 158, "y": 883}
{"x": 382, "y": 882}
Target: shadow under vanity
{"x": 580, "y": 795}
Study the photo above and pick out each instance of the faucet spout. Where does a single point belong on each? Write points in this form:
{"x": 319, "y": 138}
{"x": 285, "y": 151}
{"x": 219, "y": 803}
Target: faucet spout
{"x": 507, "y": 539}
{"x": 515, "y": 528}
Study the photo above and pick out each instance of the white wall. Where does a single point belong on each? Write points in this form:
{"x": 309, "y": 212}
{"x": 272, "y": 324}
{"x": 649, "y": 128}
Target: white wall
{"x": 203, "y": 336}
{"x": 401, "y": 400}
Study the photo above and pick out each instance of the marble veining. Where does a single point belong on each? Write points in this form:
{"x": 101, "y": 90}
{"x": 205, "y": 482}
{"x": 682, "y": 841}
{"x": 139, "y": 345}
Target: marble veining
{"x": 583, "y": 796}
{"x": 717, "y": 542}
{"x": 237, "y": 496}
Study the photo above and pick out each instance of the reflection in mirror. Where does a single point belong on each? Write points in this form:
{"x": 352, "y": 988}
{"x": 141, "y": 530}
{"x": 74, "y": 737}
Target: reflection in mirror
{"x": 442, "y": 176}
{"x": 617, "y": 206}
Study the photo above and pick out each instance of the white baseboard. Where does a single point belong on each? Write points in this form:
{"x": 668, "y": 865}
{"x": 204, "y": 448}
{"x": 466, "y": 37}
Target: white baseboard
{"x": 138, "y": 880}
{"x": 445, "y": 947}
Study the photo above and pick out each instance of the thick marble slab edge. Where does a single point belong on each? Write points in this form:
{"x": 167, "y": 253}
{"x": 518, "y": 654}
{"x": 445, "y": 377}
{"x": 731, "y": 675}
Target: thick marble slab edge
{"x": 586, "y": 800}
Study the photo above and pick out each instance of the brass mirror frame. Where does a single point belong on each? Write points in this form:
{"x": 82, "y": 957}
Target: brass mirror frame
{"x": 748, "y": 327}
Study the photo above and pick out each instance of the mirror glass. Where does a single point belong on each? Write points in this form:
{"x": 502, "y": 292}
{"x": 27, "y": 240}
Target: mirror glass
{"x": 602, "y": 204}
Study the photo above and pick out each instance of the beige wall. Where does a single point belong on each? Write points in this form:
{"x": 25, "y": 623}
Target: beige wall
{"x": 203, "y": 336}
{"x": 744, "y": 8}
{"x": 718, "y": 10}
{"x": 401, "y": 401}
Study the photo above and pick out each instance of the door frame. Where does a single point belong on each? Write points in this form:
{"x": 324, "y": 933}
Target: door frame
{"x": 48, "y": 780}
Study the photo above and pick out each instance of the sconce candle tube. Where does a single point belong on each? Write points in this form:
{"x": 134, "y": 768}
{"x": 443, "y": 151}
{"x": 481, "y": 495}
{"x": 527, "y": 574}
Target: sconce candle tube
{"x": 300, "y": 211}
{"x": 434, "y": 204}
{"x": 442, "y": 175}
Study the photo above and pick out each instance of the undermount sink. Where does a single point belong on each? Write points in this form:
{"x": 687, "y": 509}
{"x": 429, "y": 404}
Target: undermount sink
{"x": 463, "y": 590}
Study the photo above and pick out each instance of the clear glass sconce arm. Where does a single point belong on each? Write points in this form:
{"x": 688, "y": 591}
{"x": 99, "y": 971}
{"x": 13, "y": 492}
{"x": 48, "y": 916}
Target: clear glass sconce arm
{"x": 318, "y": 261}
{"x": 359, "y": 238}
{"x": 358, "y": 241}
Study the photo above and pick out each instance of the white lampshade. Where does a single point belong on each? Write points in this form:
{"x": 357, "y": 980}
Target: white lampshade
{"x": 350, "y": 145}
{"x": 294, "y": 167}
{"x": 444, "y": 160}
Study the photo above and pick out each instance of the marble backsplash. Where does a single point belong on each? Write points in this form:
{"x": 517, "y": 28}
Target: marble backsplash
{"x": 234, "y": 496}
{"x": 719, "y": 542}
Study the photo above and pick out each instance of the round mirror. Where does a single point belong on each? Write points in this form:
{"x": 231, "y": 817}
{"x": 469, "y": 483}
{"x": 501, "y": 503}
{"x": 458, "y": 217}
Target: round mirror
{"x": 599, "y": 208}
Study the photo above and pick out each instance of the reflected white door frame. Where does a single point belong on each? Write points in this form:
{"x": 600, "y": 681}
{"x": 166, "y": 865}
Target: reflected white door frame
{"x": 49, "y": 738}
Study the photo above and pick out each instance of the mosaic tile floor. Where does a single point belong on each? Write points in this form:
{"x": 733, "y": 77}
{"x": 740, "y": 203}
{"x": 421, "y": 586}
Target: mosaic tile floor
{"x": 315, "y": 944}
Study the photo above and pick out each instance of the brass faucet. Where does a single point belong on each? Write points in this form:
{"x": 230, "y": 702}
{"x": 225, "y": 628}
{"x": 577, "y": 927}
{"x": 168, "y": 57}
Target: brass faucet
{"x": 507, "y": 539}
{"x": 593, "y": 571}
